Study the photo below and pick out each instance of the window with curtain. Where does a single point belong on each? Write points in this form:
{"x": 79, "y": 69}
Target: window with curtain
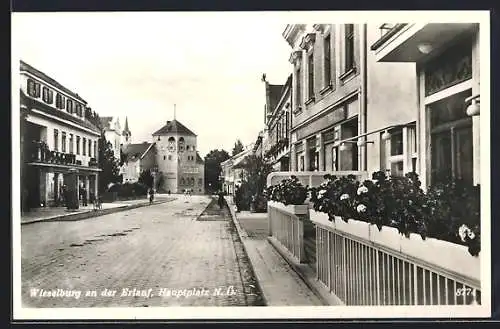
{"x": 70, "y": 143}
{"x": 78, "y": 145}
{"x": 63, "y": 142}
{"x": 84, "y": 146}
{"x": 56, "y": 140}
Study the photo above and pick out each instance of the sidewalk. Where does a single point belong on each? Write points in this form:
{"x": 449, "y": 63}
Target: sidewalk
{"x": 61, "y": 213}
{"x": 278, "y": 281}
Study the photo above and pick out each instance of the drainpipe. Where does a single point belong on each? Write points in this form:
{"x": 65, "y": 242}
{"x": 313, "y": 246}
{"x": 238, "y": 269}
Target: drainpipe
{"x": 364, "y": 98}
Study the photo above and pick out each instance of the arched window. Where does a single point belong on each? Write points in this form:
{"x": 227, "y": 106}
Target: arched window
{"x": 171, "y": 144}
{"x": 183, "y": 181}
{"x": 192, "y": 181}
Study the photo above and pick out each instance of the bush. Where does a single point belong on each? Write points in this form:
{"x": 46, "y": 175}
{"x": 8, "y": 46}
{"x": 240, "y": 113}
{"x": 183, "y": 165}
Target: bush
{"x": 289, "y": 191}
{"x": 128, "y": 190}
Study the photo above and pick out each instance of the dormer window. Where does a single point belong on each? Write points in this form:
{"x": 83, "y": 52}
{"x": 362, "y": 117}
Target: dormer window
{"x": 69, "y": 106}
{"x": 33, "y": 88}
{"x": 60, "y": 101}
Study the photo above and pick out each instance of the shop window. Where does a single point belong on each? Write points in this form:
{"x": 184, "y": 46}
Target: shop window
{"x": 451, "y": 140}
{"x": 301, "y": 163}
{"x": 334, "y": 159}
{"x": 348, "y": 158}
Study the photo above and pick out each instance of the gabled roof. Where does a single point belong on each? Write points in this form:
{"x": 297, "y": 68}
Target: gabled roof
{"x": 134, "y": 152}
{"x": 274, "y": 96}
{"x": 39, "y": 74}
{"x": 174, "y": 126}
{"x": 35, "y": 104}
{"x": 199, "y": 159}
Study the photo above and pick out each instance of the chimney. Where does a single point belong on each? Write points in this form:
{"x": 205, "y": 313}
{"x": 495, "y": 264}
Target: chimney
{"x": 168, "y": 122}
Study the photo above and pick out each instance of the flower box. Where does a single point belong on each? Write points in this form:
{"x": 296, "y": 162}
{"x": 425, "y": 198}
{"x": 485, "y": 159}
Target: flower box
{"x": 294, "y": 209}
{"x": 449, "y": 256}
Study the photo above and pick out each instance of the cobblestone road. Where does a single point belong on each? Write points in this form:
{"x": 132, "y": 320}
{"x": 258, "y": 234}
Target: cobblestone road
{"x": 160, "y": 255}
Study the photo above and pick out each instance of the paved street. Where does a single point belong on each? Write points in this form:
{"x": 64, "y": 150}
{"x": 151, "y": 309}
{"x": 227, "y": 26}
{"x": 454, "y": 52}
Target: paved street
{"x": 160, "y": 255}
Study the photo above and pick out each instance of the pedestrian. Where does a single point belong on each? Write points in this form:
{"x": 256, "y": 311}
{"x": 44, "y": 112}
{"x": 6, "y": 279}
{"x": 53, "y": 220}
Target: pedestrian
{"x": 221, "y": 200}
{"x": 151, "y": 196}
{"x": 84, "y": 196}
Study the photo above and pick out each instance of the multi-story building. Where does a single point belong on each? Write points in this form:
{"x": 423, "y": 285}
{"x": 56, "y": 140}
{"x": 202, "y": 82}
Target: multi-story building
{"x": 112, "y": 133}
{"x": 59, "y": 144}
{"x": 177, "y": 159}
{"x": 232, "y": 174}
{"x": 277, "y": 120}
{"x": 343, "y": 101}
{"x": 447, "y": 83}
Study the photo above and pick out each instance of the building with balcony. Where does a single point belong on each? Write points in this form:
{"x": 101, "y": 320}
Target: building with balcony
{"x": 177, "y": 159}
{"x": 447, "y": 77}
{"x": 276, "y": 148}
{"x": 59, "y": 143}
{"x": 343, "y": 101}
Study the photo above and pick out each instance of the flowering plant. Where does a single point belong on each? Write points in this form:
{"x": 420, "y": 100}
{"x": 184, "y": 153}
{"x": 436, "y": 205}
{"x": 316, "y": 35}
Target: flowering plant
{"x": 289, "y": 191}
{"x": 447, "y": 211}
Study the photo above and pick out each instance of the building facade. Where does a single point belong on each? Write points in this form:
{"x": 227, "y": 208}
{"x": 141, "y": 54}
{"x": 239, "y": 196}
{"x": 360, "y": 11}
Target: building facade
{"x": 232, "y": 174}
{"x": 276, "y": 148}
{"x": 177, "y": 159}
{"x": 138, "y": 158}
{"x": 59, "y": 145}
{"x": 112, "y": 133}
{"x": 343, "y": 101}
{"x": 447, "y": 82}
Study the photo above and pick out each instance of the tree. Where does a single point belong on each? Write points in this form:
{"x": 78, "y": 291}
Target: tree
{"x": 213, "y": 169}
{"x": 256, "y": 172}
{"x": 238, "y": 147}
{"x": 146, "y": 178}
{"x": 108, "y": 164}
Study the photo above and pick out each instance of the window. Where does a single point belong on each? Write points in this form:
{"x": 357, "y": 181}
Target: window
{"x": 70, "y": 143}
{"x": 401, "y": 155}
{"x": 327, "y": 60}
{"x": 298, "y": 93}
{"x": 95, "y": 149}
{"x": 187, "y": 147}
{"x": 165, "y": 158}
{"x": 451, "y": 139}
{"x": 56, "y": 140}
{"x": 69, "y": 106}
{"x": 31, "y": 88}
{"x": 349, "y": 46}
{"x": 60, "y": 101}
{"x": 158, "y": 138}
{"x": 170, "y": 157}
{"x": 90, "y": 147}
{"x": 45, "y": 94}
{"x": 78, "y": 109}
{"x": 78, "y": 145}
{"x": 200, "y": 181}
{"x": 63, "y": 142}
{"x": 287, "y": 123}
{"x": 310, "y": 71}
{"x": 84, "y": 146}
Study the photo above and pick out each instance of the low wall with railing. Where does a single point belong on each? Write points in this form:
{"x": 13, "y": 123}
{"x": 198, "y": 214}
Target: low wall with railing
{"x": 364, "y": 266}
{"x": 312, "y": 178}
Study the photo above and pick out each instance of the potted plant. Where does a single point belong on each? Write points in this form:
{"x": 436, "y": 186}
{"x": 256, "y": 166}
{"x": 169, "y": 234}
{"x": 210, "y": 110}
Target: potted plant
{"x": 289, "y": 195}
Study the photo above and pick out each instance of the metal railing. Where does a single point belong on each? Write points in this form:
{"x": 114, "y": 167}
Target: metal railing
{"x": 362, "y": 273}
{"x": 288, "y": 229}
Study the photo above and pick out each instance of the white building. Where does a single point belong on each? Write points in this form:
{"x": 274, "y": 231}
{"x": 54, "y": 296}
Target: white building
{"x": 112, "y": 133}
{"x": 59, "y": 144}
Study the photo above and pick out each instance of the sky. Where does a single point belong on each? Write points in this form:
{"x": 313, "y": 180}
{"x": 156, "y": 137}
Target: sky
{"x": 140, "y": 64}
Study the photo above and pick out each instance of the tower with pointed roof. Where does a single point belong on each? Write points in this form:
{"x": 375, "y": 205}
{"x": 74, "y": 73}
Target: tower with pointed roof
{"x": 126, "y": 134}
{"x": 178, "y": 160}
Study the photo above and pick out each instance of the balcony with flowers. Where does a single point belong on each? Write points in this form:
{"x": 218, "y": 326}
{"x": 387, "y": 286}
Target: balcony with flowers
{"x": 383, "y": 240}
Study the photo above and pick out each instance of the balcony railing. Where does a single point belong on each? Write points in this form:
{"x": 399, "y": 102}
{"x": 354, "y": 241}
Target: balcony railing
{"x": 40, "y": 152}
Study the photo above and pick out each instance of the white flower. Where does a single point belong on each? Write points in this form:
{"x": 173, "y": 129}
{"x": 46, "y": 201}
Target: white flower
{"x": 464, "y": 231}
{"x": 361, "y": 208}
{"x": 344, "y": 196}
{"x": 321, "y": 193}
{"x": 362, "y": 189}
